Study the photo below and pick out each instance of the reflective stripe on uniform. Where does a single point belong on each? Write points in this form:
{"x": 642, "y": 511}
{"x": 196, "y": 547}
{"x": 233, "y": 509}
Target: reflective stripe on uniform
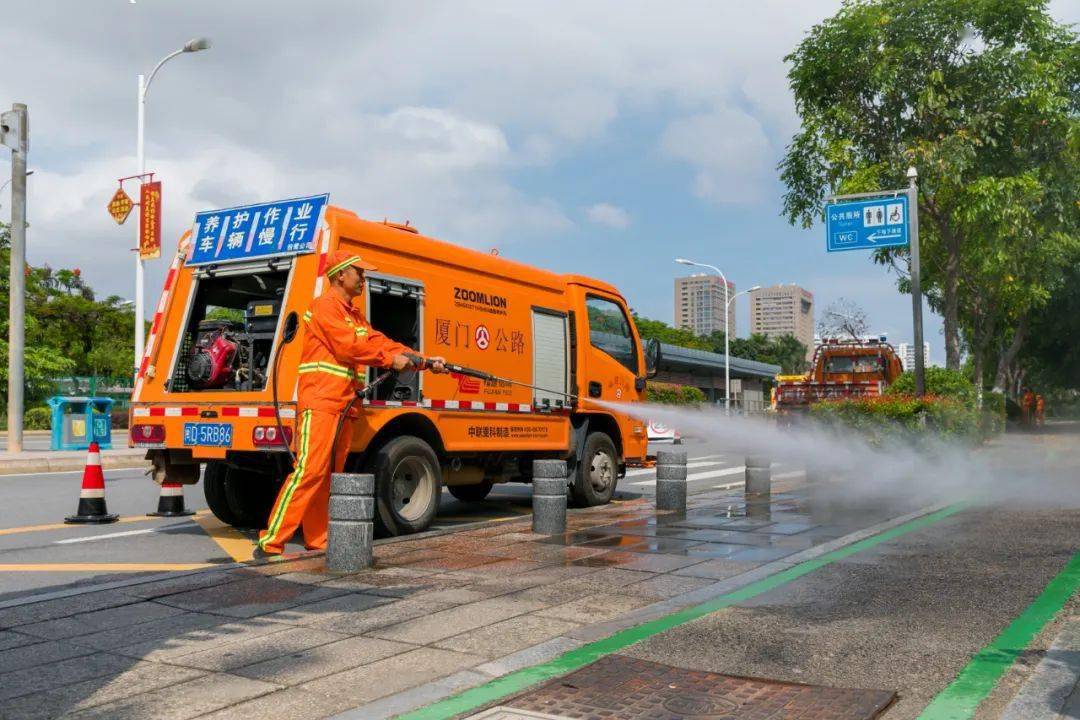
{"x": 326, "y": 367}
{"x": 361, "y": 331}
{"x": 307, "y": 316}
{"x": 294, "y": 480}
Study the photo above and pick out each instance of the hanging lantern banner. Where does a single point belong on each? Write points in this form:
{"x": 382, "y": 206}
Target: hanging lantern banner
{"x": 150, "y": 220}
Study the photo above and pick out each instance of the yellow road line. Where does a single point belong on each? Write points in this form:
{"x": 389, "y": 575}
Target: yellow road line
{"x": 61, "y": 526}
{"x": 237, "y": 545}
{"x": 103, "y": 567}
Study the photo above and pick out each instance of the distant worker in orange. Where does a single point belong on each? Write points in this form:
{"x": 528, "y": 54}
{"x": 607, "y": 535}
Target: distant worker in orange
{"x": 1027, "y": 408}
{"x": 339, "y": 343}
{"x": 1040, "y": 410}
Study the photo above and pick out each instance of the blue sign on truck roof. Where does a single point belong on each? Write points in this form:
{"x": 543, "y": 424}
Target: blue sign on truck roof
{"x": 867, "y": 224}
{"x": 285, "y": 227}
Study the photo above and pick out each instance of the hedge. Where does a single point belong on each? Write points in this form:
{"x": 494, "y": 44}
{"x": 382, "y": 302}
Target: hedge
{"x": 38, "y": 418}
{"x": 939, "y": 381}
{"x": 903, "y": 418}
{"x": 670, "y": 394}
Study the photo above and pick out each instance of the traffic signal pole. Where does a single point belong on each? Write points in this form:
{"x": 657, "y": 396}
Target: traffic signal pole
{"x": 15, "y": 133}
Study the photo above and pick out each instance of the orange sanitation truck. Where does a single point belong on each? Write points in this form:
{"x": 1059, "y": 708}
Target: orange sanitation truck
{"x": 204, "y": 395}
{"x": 840, "y": 369}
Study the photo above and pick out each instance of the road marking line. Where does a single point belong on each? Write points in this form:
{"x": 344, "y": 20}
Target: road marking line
{"x": 646, "y": 471}
{"x": 235, "y": 544}
{"x": 729, "y": 486}
{"x": 70, "y": 526}
{"x": 90, "y": 538}
{"x": 104, "y": 567}
{"x": 568, "y": 662}
{"x": 700, "y": 476}
{"x": 962, "y": 697}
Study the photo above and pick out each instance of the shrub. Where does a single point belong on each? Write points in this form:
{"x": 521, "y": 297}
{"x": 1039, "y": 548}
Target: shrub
{"x": 38, "y": 418}
{"x": 939, "y": 381}
{"x": 118, "y": 419}
{"x": 670, "y": 394}
{"x": 902, "y": 418}
{"x": 992, "y": 421}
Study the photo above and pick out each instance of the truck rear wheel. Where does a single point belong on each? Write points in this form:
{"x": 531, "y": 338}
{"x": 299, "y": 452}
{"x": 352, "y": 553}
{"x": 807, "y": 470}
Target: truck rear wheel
{"x": 214, "y": 478}
{"x": 597, "y": 472}
{"x": 408, "y": 482}
{"x": 237, "y": 498}
{"x": 470, "y": 493}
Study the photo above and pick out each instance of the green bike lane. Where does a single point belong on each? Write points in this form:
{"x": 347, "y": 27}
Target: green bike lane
{"x": 950, "y": 611}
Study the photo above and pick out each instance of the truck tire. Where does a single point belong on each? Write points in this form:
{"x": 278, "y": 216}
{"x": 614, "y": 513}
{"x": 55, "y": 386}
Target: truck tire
{"x": 470, "y": 493}
{"x": 214, "y": 478}
{"x": 250, "y": 497}
{"x": 408, "y": 482}
{"x": 596, "y": 475}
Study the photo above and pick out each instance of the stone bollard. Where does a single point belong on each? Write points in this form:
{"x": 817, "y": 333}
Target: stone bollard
{"x": 549, "y": 497}
{"x": 349, "y": 542}
{"x": 758, "y": 476}
{"x": 671, "y": 480}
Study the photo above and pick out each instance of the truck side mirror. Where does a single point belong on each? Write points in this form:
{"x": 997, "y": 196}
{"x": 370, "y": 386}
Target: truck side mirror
{"x": 652, "y": 357}
{"x": 289, "y": 331}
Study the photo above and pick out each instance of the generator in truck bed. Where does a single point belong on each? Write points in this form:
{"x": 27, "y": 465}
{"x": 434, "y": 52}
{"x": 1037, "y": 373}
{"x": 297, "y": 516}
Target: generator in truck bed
{"x": 203, "y": 402}
{"x": 840, "y": 369}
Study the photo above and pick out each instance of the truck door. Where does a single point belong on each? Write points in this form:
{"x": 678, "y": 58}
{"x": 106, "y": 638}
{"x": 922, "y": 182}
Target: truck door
{"x": 551, "y": 358}
{"x": 612, "y": 359}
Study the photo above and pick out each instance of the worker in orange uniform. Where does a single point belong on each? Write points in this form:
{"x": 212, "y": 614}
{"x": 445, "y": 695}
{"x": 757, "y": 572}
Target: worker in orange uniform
{"x": 1040, "y": 410}
{"x": 1027, "y": 408}
{"x": 338, "y": 345}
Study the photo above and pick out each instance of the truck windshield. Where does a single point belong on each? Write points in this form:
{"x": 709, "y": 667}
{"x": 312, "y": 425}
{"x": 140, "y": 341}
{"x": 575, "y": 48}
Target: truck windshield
{"x": 609, "y": 331}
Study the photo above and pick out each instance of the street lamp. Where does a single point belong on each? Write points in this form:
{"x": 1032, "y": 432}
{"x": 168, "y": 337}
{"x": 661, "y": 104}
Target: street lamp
{"x": 727, "y": 334}
{"x": 194, "y": 45}
{"x": 8, "y": 182}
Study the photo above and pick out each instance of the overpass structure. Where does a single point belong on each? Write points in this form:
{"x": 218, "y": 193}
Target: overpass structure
{"x": 705, "y": 371}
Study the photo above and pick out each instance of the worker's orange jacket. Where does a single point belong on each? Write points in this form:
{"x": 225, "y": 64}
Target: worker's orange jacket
{"x": 339, "y": 344}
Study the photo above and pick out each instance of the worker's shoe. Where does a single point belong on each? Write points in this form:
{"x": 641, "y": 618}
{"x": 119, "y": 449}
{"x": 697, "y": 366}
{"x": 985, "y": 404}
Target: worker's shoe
{"x": 259, "y": 554}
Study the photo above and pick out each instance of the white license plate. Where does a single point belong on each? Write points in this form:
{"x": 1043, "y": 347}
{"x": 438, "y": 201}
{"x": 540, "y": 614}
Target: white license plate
{"x": 213, "y": 434}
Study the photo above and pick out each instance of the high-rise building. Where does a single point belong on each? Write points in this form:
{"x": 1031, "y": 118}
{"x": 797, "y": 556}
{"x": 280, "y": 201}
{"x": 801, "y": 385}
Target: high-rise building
{"x": 907, "y": 355}
{"x": 699, "y": 304}
{"x": 783, "y": 310}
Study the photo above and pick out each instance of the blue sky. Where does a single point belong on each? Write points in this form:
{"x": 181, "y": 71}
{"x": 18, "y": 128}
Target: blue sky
{"x": 603, "y": 138}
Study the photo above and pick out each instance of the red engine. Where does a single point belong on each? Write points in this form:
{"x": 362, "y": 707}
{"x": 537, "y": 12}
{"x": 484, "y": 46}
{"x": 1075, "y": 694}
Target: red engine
{"x": 212, "y": 362}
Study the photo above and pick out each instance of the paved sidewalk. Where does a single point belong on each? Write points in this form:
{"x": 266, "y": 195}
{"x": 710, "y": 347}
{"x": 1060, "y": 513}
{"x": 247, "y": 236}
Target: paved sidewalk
{"x": 1053, "y": 689}
{"x": 437, "y": 613}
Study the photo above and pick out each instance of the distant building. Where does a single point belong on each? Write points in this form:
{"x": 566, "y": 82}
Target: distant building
{"x": 907, "y": 355}
{"x": 783, "y": 310}
{"x": 699, "y": 304}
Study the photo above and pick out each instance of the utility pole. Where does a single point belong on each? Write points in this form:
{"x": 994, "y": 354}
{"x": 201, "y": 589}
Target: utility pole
{"x": 15, "y": 133}
{"x": 916, "y": 281}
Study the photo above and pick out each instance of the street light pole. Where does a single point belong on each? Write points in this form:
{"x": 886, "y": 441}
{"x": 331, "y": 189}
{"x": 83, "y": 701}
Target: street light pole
{"x": 194, "y": 45}
{"x": 15, "y": 134}
{"x": 727, "y": 334}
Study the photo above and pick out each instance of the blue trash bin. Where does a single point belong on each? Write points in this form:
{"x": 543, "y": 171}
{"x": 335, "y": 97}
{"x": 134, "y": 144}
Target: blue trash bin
{"x": 79, "y": 421}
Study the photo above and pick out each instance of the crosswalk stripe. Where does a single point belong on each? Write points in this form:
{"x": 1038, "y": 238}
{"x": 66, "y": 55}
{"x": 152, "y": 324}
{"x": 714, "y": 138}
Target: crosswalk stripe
{"x": 701, "y": 476}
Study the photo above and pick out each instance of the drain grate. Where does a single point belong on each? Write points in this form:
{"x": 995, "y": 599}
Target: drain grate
{"x": 626, "y": 688}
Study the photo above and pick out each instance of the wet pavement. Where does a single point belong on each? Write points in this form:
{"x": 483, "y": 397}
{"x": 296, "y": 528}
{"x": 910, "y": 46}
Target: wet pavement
{"x": 234, "y": 642}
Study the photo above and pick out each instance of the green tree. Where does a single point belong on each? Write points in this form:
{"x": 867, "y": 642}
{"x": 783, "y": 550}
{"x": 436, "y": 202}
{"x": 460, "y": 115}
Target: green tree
{"x": 663, "y": 332}
{"x": 980, "y": 96}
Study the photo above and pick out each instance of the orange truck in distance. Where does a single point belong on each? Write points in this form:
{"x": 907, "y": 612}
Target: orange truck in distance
{"x": 203, "y": 403}
{"x": 840, "y": 369}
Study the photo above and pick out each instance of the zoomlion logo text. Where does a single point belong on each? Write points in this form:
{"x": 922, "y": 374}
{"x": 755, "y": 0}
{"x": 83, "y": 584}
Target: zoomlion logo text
{"x": 479, "y": 298}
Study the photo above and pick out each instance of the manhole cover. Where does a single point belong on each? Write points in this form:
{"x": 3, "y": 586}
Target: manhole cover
{"x": 622, "y": 687}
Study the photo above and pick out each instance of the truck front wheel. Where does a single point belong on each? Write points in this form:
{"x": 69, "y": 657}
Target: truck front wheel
{"x": 408, "y": 482}
{"x": 597, "y": 472}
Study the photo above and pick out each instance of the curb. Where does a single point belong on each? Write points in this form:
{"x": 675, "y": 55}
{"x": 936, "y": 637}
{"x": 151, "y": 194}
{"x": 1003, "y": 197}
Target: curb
{"x": 110, "y": 460}
{"x": 420, "y": 696}
{"x": 1047, "y": 690}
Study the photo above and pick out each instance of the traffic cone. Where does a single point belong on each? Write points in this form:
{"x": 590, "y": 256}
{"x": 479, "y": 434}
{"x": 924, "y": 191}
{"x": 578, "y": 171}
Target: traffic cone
{"x": 171, "y": 501}
{"x": 92, "y": 496}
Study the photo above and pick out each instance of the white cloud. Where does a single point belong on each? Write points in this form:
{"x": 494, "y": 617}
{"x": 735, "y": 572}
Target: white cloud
{"x": 729, "y": 148}
{"x": 606, "y": 214}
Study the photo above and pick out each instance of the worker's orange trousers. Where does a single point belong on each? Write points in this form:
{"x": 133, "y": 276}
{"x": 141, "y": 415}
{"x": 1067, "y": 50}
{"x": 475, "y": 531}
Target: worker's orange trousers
{"x": 305, "y": 495}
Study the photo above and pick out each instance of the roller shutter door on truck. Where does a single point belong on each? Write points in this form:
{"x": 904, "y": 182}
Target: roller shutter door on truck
{"x": 550, "y": 356}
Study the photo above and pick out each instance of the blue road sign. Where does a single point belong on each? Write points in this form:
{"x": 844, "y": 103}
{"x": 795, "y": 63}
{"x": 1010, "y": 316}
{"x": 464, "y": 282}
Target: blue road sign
{"x": 286, "y": 227}
{"x": 867, "y": 224}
